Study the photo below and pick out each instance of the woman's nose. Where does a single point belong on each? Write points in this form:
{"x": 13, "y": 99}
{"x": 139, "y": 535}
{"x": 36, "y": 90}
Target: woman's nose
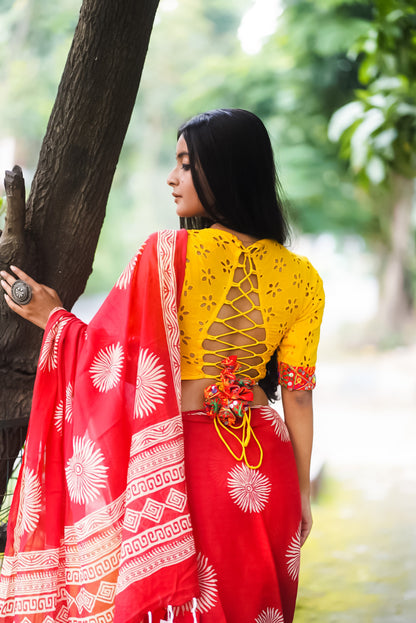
{"x": 172, "y": 179}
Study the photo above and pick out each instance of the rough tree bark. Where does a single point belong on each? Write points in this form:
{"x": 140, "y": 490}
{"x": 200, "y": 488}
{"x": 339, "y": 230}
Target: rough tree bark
{"x": 55, "y": 237}
{"x": 16, "y": 377}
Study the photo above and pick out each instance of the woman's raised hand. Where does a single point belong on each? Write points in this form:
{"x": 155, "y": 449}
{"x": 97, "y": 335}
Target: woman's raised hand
{"x": 42, "y": 302}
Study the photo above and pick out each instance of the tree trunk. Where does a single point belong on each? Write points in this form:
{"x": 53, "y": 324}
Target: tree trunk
{"x": 55, "y": 240}
{"x": 396, "y": 300}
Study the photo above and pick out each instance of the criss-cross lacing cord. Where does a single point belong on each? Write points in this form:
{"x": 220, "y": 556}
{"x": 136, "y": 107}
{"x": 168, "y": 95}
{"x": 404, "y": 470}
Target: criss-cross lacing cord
{"x": 251, "y": 296}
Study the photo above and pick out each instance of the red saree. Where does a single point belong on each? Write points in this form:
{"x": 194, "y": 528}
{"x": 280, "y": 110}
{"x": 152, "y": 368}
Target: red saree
{"x": 246, "y": 522}
{"x": 99, "y": 528}
{"x": 103, "y": 527}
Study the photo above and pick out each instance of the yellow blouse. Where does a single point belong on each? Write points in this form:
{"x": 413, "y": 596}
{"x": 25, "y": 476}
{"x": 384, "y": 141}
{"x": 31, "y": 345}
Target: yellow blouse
{"x": 248, "y": 301}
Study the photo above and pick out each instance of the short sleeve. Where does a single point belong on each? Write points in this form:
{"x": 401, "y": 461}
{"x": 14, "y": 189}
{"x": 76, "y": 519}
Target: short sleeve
{"x": 298, "y": 349}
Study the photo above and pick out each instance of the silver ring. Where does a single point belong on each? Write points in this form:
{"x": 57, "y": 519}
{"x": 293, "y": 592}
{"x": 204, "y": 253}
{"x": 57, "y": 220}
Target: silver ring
{"x": 21, "y": 292}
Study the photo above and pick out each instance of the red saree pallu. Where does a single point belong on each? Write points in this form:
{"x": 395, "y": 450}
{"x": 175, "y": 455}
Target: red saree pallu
{"x": 246, "y": 522}
{"x": 99, "y": 528}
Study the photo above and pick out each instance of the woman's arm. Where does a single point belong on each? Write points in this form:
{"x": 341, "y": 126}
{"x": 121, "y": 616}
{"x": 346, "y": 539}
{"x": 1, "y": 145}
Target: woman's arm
{"x": 298, "y": 412}
{"x": 43, "y": 301}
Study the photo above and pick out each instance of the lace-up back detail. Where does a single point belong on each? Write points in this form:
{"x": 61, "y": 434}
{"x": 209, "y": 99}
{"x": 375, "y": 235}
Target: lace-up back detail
{"x": 238, "y": 328}
{"x": 246, "y": 301}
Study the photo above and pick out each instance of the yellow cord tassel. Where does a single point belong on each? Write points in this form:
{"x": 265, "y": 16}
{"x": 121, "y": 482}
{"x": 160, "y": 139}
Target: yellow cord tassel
{"x": 247, "y": 434}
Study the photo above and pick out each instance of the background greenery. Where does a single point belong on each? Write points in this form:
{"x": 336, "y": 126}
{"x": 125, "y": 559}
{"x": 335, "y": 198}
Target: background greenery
{"x": 346, "y": 67}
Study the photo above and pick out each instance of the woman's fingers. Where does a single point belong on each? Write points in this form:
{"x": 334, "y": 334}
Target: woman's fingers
{"x": 7, "y": 279}
{"x": 23, "y": 276}
{"x": 41, "y": 302}
{"x": 5, "y": 284}
{"x": 305, "y": 532}
{"x": 18, "y": 274}
{"x": 306, "y": 518}
{"x": 16, "y": 308}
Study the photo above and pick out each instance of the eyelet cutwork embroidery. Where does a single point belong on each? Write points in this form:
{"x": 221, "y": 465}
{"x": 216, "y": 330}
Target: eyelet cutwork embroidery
{"x": 297, "y": 281}
{"x": 291, "y": 305}
{"x": 270, "y": 314}
{"x": 226, "y": 265}
{"x": 221, "y": 242}
{"x": 201, "y": 250}
{"x": 208, "y": 302}
{"x": 274, "y": 289}
{"x": 246, "y": 301}
{"x": 207, "y": 275}
{"x": 279, "y": 264}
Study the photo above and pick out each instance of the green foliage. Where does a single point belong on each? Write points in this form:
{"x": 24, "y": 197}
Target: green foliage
{"x": 377, "y": 131}
{"x": 300, "y": 77}
{"x": 305, "y": 72}
{"x": 34, "y": 42}
{"x": 377, "y": 136}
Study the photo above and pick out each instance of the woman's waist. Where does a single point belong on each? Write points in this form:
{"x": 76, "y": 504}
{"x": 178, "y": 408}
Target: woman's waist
{"x": 260, "y": 415}
{"x": 193, "y": 394}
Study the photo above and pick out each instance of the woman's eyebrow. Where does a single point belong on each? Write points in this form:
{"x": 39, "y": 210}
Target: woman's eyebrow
{"x": 182, "y": 154}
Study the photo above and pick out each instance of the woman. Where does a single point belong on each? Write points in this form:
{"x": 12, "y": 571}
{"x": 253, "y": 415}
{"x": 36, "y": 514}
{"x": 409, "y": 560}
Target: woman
{"x": 171, "y": 374}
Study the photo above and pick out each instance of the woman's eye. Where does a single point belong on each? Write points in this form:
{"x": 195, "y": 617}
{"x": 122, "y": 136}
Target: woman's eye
{"x": 186, "y": 167}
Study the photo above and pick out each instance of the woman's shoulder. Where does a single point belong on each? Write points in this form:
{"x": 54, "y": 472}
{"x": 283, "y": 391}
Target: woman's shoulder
{"x": 264, "y": 249}
{"x": 225, "y": 239}
{"x": 291, "y": 268}
{"x": 296, "y": 258}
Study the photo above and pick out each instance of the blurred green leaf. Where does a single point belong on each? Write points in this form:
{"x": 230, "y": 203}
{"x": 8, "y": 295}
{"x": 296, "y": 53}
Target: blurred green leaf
{"x": 376, "y": 170}
{"x": 343, "y": 118}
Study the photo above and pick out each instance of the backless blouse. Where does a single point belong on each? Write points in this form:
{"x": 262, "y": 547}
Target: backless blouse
{"x": 248, "y": 301}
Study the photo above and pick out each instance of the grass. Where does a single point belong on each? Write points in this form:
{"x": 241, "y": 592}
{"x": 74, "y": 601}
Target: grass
{"x": 354, "y": 562}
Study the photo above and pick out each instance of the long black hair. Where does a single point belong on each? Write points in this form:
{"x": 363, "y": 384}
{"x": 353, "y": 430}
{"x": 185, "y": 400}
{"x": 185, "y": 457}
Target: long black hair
{"x": 234, "y": 175}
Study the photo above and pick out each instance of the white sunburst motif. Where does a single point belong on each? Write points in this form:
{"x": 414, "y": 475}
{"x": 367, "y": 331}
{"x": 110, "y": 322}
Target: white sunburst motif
{"x": 58, "y": 416}
{"x": 207, "y": 580}
{"x": 30, "y": 505}
{"x": 270, "y": 615}
{"x": 85, "y": 472}
{"x": 249, "y": 488}
{"x": 69, "y": 394}
{"x": 106, "y": 368}
{"x": 150, "y": 386}
{"x": 48, "y": 358}
{"x": 125, "y": 278}
{"x": 293, "y": 556}
{"x": 276, "y": 421}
